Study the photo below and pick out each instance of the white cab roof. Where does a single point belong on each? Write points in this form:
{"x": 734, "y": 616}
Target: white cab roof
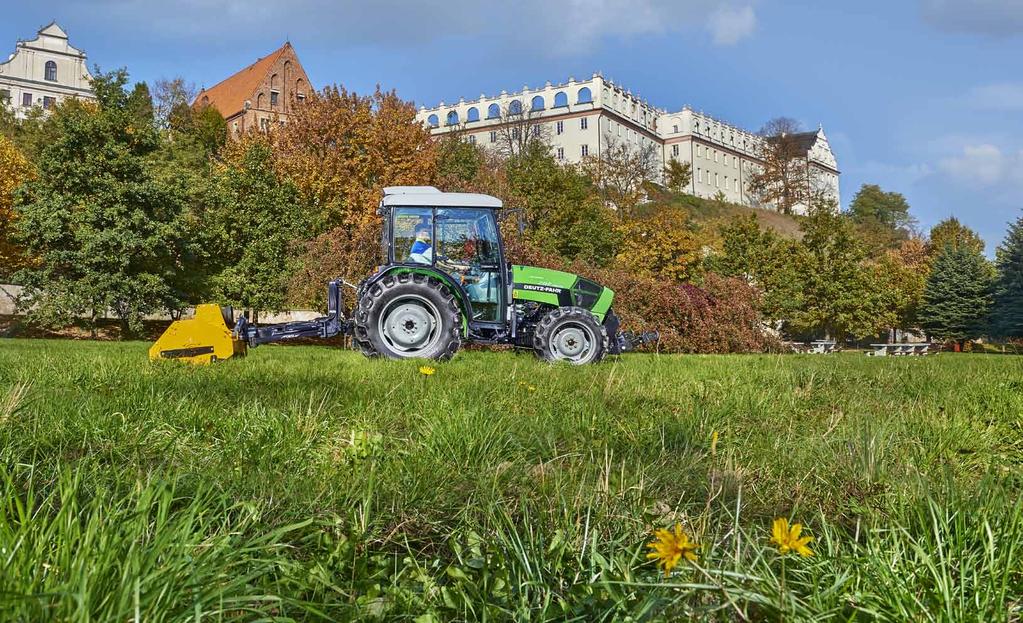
{"x": 428, "y": 196}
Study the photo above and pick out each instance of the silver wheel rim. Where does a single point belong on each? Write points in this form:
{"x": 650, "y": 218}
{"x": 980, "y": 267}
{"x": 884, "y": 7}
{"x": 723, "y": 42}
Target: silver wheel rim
{"x": 573, "y": 342}
{"x": 409, "y": 326}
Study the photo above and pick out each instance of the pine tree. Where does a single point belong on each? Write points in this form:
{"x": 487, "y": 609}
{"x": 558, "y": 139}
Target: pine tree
{"x": 958, "y": 295}
{"x": 1007, "y": 314}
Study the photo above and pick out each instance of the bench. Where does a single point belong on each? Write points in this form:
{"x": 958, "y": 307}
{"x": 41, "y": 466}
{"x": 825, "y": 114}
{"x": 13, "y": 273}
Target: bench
{"x": 898, "y": 350}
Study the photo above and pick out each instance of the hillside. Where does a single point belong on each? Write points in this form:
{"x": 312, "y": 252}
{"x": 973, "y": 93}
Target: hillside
{"x": 709, "y": 211}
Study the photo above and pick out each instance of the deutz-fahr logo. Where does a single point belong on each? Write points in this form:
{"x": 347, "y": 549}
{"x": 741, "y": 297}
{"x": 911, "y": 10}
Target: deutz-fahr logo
{"x": 550, "y": 289}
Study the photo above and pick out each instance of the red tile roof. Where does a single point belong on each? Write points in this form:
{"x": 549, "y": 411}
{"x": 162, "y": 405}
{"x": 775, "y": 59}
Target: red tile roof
{"x": 228, "y": 96}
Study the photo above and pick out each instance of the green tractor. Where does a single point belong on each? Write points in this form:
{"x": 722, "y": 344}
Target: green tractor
{"x": 446, "y": 282}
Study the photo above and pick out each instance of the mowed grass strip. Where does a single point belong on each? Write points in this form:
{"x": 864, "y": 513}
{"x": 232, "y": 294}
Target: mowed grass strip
{"x": 310, "y": 483}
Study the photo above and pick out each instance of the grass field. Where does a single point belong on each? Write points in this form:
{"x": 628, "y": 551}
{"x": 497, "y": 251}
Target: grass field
{"x": 306, "y": 483}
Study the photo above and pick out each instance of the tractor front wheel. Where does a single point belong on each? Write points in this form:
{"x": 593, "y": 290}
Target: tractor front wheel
{"x": 570, "y": 334}
{"x": 408, "y": 316}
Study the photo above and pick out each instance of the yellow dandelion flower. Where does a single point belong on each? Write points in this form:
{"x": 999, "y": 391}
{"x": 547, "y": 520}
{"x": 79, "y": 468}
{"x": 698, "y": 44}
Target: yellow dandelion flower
{"x": 531, "y": 388}
{"x": 787, "y": 539}
{"x": 670, "y": 547}
{"x": 426, "y": 370}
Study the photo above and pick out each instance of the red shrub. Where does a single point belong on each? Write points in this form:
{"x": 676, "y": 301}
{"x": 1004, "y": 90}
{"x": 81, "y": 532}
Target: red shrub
{"x": 721, "y": 317}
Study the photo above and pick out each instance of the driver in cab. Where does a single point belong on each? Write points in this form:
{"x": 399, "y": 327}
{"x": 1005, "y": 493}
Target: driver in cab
{"x": 421, "y": 251}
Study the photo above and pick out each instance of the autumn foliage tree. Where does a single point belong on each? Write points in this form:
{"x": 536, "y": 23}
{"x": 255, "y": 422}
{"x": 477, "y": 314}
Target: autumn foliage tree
{"x": 341, "y": 149}
{"x": 14, "y": 170}
{"x": 619, "y": 171}
{"x": 664, "y": 244}
{"x": 782, "y": 179}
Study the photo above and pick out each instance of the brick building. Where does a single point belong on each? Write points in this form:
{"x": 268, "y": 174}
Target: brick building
{"x": 265, "y": 92}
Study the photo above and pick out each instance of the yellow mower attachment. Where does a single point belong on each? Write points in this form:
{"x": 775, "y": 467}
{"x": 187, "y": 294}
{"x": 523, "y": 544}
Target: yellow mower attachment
{"x": 204, "y": 338}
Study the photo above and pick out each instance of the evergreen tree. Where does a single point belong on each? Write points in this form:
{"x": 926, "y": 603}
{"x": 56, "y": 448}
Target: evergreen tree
{"x": 105, "y": 233}
{"x": 1007, "y": 313}
{"x": 957, "y": 296}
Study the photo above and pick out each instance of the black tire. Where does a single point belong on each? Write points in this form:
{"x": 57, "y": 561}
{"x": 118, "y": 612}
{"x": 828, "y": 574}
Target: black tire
{"x": 408, "y": 316}
{"x": 570, "y": 334}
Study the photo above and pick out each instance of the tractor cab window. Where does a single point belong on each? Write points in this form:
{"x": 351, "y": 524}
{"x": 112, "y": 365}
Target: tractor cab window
{"x": 413, "y": 235}
{"x": 468, "y": 250}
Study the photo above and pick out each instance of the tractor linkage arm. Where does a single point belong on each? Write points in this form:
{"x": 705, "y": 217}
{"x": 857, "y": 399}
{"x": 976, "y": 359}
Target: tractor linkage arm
{"x": 630, "y": 341}
{"x": 330, "y": 325}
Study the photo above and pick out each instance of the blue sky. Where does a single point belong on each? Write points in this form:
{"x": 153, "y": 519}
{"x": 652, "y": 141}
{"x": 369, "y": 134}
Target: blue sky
{"x": 924, "y": 97}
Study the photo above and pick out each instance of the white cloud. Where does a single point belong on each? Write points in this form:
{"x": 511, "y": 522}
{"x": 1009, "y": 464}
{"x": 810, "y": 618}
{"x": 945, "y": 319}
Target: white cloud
{"x": 983, "y": 17}
{"x": 984, "y": 165}
{"x": 728, "y": 25}
{"x": 534, "y": 27}
{"x": 1001, "y": 96}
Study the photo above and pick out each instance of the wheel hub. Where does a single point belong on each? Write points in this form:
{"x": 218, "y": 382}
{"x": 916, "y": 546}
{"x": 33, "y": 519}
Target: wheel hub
{"x": 409, "y": 326}
{"x": 571, "y": 343}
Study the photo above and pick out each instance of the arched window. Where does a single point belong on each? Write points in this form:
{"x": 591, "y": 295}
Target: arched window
{"x": 515, "y": 107}
{"x": 493, "y": 111}
{"x": 560, "y": 99}
{"x": 432, "y": 121}
{"x": 585, "y": 96}
{"x": 537, "y": 103}
{"x": 51, "y": 71}
{"x": 259, "y": 101}
{"x": 452, "y": 118}
{"x": 473, "y": 114}
{"x": 205, "y": 100}
{"x": 273, "y": 81}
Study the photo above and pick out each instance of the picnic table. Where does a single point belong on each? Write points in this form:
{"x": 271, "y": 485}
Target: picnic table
{"x": 823, "y": 347}
{"x": 817, "y": 347}
{"x": 917, "y": 349}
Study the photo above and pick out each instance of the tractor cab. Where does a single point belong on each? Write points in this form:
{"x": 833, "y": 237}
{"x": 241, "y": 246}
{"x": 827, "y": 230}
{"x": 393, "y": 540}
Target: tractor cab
{"x": 455, "y": 238}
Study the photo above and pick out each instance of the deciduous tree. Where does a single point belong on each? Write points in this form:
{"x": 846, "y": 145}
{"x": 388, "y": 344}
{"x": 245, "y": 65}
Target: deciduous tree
{"x": 563, "y": 215}
{"x": 619, "y": 171}
{"x": 882, "y": 218}
{"x": 782, "y": 179}
{"x": 14, "y": 171}
{"x": 250, "y": 224}
{"x": 677, "y": 175}
{"x": 950, "y": 232}
{"x": 341, "y": 150}
{"x": 663, "y": 245}
{"x": 104, "y": 232}
{"x": 836, "y": 295}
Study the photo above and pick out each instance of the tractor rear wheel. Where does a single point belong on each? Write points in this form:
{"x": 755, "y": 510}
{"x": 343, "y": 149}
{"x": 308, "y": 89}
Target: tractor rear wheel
{"x": 408, "y": 316}
{"x": 570, "y": 334}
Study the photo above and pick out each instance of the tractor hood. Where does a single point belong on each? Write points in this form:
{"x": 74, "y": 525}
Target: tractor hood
{"x": 560, "y": 289}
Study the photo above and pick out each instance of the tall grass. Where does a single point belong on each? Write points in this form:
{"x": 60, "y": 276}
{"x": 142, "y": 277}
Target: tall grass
{"x": 310, "y": 484}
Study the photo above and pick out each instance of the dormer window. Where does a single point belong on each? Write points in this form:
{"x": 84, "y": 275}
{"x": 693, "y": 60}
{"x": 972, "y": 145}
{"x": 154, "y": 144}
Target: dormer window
{"x": 51, "y": 71}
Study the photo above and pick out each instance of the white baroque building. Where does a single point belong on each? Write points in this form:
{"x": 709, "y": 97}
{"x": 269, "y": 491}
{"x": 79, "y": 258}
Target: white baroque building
{"x": 583, "y": 117}
{"x": 43, "y": 72}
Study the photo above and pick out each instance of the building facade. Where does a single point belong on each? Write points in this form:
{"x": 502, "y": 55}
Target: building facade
{"x": 581, "y": 118}
{"x": 43, "y": 72}
{"x": 262, "y": 94}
